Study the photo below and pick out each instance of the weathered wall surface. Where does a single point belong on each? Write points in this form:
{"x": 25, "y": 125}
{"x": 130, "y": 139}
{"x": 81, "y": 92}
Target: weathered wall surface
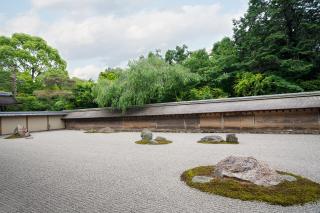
{"x": 33, "y": 123}
{"x": 9, "y": 123}
{"x": 296, "y": 121}
{"x": 56, "y": 122}
{"x": 37, "y": 123}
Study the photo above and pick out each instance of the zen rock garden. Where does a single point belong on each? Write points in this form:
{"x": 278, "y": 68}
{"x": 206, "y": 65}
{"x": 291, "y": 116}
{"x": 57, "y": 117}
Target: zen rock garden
{"x": 238, "y": 177}
{"x": 147, "y": 138}
{"x": 246, "y": 178}
{"x": 215, "y": 139}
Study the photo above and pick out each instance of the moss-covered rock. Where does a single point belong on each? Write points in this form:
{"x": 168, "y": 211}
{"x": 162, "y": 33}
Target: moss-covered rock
{"x": 286, "y": 193}
{"x": 215, "y": 142}
{"x": 153, "y": 142}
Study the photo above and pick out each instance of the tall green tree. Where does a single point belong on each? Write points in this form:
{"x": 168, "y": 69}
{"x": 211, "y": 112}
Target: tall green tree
{"x": 225, "y": 65}
{"x": 28, "y": 54}
{"x": 148, "y": 80}
{"x": 280, "y": 38}
{"x": 38, "y": 57}
{"x": 177, "y": 55}
{"x": 82, "y": 92}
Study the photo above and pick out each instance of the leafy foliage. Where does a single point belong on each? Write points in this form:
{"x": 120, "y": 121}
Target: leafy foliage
{"x": 147, "y": 80}
{"x": 275, "y": 49}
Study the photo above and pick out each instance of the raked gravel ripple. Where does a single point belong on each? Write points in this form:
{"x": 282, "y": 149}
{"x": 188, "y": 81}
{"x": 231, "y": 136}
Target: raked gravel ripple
{"x": 71, "y": 171}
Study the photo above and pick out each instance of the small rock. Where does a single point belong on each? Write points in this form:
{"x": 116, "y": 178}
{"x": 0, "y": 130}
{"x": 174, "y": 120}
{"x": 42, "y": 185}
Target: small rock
{"x": 248, "y": 169}
{"x": 201, "y": 179}
{"x": 232, "y": 138}
{"x": 159, "y": 138}
{"x": 105, "y": 130}
{"x": 153, "y": 142}
{"x": 212, "y": 138}
{"x": 146, "y": 134}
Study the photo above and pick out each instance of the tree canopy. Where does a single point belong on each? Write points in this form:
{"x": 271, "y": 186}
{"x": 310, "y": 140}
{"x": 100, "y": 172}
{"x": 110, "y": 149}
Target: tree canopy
{"x": 275, "y": 48}
{"x": 147, "y": 80}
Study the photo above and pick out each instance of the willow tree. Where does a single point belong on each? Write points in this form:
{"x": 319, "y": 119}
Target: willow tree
{"x": 147, "y": 80}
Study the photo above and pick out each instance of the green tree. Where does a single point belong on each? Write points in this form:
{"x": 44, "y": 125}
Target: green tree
{"x": 225, "y": 65}
{"x": 177, "y": 55}
{"x": 38, "y": 57}
{"x": 82, "y": 92}
{"x": 25, "y": 84}
{"x": 206, "y": 93}
{"x": 5, "y": 80}
{"x": 199, "y": 62}
{"x": 28, "y": 54}
{"x": 148, "y": 80}
{"x": 249, "y": 84}
{"x": 280, "y": 38}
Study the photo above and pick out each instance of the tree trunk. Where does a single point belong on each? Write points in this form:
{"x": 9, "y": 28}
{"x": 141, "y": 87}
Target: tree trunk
{"x": 33, "y": 73}
{"x": 14, "y": 82}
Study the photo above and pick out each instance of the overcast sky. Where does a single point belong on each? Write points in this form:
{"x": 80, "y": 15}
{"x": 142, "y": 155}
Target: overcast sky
{"x": 93, "y": 34}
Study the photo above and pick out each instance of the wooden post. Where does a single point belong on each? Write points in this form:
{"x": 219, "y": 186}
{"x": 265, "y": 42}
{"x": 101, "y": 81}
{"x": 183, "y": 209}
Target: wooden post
{"x": 222, "y": 121}
{"x": 48, "y": 124}
{"x": 27, "y": 122}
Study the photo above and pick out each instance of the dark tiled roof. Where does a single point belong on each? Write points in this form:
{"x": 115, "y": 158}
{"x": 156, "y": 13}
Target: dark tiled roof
{"x": 7, "y": 99}
{"x": 33, "y": 113}
{"x": 253, "y": 103}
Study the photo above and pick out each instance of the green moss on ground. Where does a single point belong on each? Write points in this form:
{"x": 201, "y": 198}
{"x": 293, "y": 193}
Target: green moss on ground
{"x": 286, "y": 193}
{"x": 214, "y": 142}
{"x": 91, "y": 131}
{"x": 160, "y": 142}
{"x": 13, "y": 137}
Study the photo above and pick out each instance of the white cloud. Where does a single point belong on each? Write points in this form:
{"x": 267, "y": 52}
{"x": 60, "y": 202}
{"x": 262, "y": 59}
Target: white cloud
{"x": 110, "y": 39}
{"x": 81, "y": 8}
{"x": 86, "y": 72}
{"x": 120, "y": 38}
{"x": 26, "y": 23}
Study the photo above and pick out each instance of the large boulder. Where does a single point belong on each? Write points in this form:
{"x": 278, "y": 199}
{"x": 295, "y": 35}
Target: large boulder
{"x": 212, "y": 138}
{"x": 21, "y": 131}
{"x": 232, "y": 138}
{"x": 249, "y": 169}
{"x": 146, "y": 134}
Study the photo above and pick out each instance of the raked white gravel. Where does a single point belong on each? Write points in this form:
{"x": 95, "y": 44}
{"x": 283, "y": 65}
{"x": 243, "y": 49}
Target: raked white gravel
{"x": 71, "y": 171}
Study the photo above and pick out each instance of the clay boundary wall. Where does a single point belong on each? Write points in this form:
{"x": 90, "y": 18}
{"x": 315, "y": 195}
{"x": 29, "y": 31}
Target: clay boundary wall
{"x": 34, "y": 123}
{"x": 306, "y": 121}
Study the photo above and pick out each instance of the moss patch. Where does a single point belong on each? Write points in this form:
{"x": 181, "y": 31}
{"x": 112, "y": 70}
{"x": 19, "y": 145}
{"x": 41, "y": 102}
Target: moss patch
{"x": 286, "y": 193}
{"x": 13, "y": 137}
{"x": 159, "y": 142}
{"x": 214, "y": 142}
{"x": 91, "y": 131}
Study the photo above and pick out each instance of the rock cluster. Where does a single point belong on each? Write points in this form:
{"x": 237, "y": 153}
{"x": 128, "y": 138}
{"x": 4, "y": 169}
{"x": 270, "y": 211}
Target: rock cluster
{"x": 105, "y": 130}
{"x": 212, "y": 138}
{"x": 146, "y": 134}
{"x": 249, "y": 169}
{"x": 21, "y": 132}
{"x": 232, "y": 138}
